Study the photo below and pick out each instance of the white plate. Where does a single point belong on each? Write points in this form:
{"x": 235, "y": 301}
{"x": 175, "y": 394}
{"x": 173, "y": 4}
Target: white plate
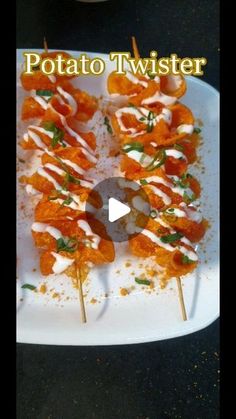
{"x": 140, "y": 316}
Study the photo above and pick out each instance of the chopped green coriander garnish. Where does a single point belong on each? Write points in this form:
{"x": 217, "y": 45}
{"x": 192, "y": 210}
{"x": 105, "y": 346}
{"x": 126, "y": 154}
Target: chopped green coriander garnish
{"x": 143, "y": 182}
{"x": 107, "y": 123}
{"x": 170, "y": 238}
{"x": 133, "y": 146}
{"x": 197, "y": 130}
{"x": 70, "y": 179}
{"x": 142, "y": 281}
{"x": 58, "y": 133}
{"x": 158, "y": 160}
{"x": 150, "y": 75}
{"x": 186, "y": 176}
{"x": 188, "y": 199}
{"x": 150, "y": 118}
{"x": 29, "y": 287}
{"x": 49, "y": 126}
{"x": 186, "y": 260}
{"x": 181, "y": 184}
{"x": 178, "y": 147}
{"x": 67, "y": 201}
{"x": 47, "y": 93}
{"x": 66, "y": 244}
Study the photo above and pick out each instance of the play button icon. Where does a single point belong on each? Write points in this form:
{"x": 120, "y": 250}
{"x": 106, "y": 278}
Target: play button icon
{"x": 116, "y": 210}
{"x": 121, "y": 201}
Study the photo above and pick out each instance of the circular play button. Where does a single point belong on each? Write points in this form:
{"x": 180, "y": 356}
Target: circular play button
{"x": 122, "y": 202}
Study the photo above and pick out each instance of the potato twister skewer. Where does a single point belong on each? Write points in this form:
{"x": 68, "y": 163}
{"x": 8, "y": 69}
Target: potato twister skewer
{"x": 157, "y": 138}
{"x": 62, "y": 228}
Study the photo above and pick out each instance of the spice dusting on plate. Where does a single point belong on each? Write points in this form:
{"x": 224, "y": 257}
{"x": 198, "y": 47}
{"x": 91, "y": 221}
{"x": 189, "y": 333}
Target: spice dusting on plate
{"x": 127, "y": 264}
{"x": 43, "y": 289}
{"x": 93, "y": 301}
{"x": 124, "y": 292}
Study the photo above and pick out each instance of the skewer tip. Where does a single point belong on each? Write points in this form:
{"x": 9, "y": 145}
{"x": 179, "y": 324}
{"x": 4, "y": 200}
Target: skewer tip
{"x": 45, "y": 45}
{"x": 135, "y": 47}
{"x": 81, "y": 297}
{"x": 181, "y": 299}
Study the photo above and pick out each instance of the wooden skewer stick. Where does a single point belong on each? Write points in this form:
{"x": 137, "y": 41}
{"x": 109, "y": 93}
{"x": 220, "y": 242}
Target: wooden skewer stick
{"x": 45, "y": 44}
{"x": 81, "y": 297}
{"x": 135, "y": 48}
{"x": 181, "y": 299}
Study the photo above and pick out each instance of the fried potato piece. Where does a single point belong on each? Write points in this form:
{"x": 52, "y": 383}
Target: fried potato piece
{"x": 87, "y": 105}
{"x": 83, "y": 254}
{"x": 117, "y": 83}
{"x": 40, "y": 81}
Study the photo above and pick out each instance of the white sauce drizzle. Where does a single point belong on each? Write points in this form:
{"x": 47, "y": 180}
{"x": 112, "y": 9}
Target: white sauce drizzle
{"x": 156, "y": 239}
{"x": 166, "y": 114}
{"x": 74, "y": 134}
{"x": 88, "y": 232}
{"x": 177, "y": 213}
{"x": 86, "y": 150}
{"x": 31, "y": 190}
{"x": 51, "y": 179}
{"x": 45, "y": 228}
{"x": 185, "y": 128}
{"x": 69, "y": 99}
{"x": 159, "y": 97}
{"x": 42, "y": 130}
{"x": 142, "y": 158}
{"x": 52, "y": 78}
{"x": 73, "y": 205}
{"x": 61, "y": 263}
{"x": 166, "y": 199}
{"x": 157, "y": 179}
{"x": 156, "y": 78}
{"x": 42, "y": 102}
{"x": 138, "y": 133}
{"x": 189, "y": 253}
{"x": 173, "y": 82}
{"x": 74, "y": 166}
{"x": 55, "y": 169}
{"x": 131, "y": 111}
{"x": 163, "y": 223}
{"x": 135, "y": 79}
{"x": 37, "y": 140}
{"x": 176, "y": 154}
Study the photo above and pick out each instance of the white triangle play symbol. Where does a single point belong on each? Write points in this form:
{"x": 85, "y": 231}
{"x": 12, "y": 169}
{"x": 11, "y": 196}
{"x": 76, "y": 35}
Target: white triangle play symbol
{"x": 116, "y": 209}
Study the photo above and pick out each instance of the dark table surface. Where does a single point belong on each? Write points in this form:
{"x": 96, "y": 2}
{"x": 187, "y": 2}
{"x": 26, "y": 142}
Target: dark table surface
{"x": 178, "y": 378}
